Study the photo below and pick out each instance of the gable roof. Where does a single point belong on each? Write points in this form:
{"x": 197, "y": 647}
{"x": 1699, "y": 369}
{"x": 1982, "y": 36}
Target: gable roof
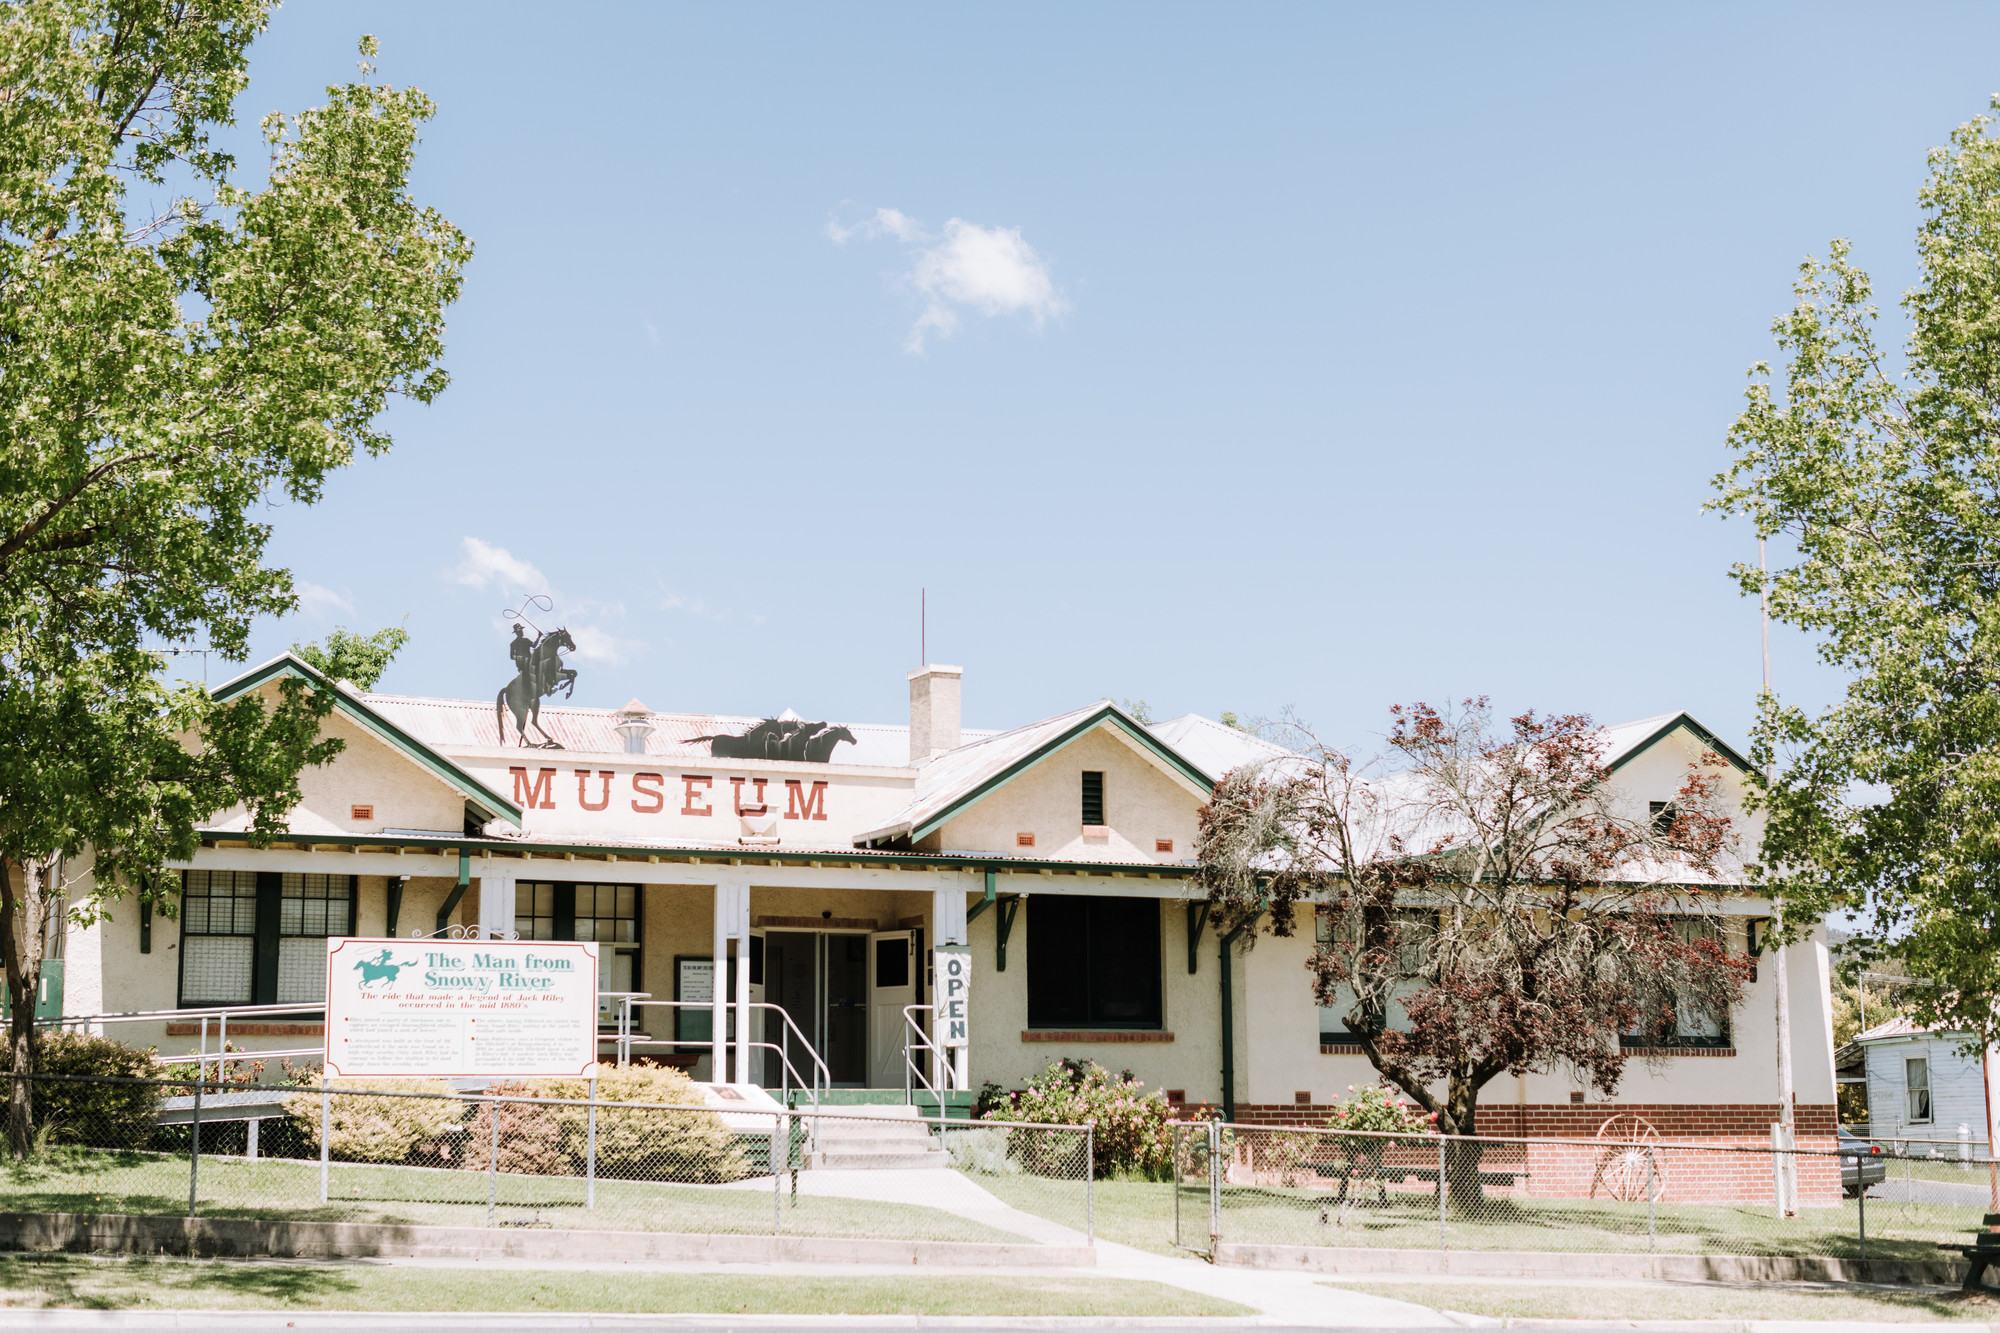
{"x": 489, "y": 803}
{"x": 1626, "y": 741}
{"x": 955, "y": 781}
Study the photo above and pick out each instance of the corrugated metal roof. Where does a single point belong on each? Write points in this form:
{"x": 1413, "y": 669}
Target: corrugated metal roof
{"x": 465, "y": 724}
{"x": 1216, "y": 748}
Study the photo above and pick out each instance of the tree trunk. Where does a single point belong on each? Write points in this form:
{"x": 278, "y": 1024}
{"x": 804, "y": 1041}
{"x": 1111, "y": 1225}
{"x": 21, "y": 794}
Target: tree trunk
{"x": 21, "y": 954}
{"x": 1463, "y": 1155}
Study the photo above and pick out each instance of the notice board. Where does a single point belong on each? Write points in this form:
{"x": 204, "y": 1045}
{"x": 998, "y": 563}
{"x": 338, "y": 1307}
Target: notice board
{"x": 460, "y": 1008}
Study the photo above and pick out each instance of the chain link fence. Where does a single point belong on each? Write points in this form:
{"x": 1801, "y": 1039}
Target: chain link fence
{"x": 431, "y": 1155}
{"x": 1619, "y": 1193}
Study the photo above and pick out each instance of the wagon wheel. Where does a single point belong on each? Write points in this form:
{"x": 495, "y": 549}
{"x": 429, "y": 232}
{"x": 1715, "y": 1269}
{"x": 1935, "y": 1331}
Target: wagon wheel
{"x": 1625, "y": 1165}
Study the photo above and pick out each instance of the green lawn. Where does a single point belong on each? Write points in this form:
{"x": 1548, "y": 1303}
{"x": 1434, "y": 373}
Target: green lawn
{"x": 1274, "y": 1216}
{"x": 72, "y": 1281}
{"x": 1141, "y": 1214}
{"x": 1555, "y": 1301}
{"x": 85, "y": 1181}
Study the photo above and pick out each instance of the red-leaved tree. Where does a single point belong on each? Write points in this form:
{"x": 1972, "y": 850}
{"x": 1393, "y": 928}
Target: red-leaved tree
{"x": 1487, "y": 901}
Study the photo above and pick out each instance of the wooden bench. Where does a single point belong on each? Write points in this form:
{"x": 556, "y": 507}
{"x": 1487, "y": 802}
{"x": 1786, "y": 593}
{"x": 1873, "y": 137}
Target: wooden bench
{"x": 1384, "y": 1176}
{"x": 1983, "y": 1252}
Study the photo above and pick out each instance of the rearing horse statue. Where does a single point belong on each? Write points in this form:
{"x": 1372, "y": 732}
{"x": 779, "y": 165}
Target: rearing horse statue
{"x": 541, "y": 676}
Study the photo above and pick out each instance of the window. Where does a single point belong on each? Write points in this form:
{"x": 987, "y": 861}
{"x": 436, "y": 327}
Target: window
{"x": 606, "y": 913}
{"x": 1412, "y": 923}
{"x": 1093, "y": 962}
{"x": 218, "y": 936}
{"x": 249, "y": 938}
{"x": 1663, "y": 816}
{"x": 1093, "y": 798}
{"x": 310, "y": 908}
{"x": 1917, "y": 1089}
{"x": 1693, "y": 1027}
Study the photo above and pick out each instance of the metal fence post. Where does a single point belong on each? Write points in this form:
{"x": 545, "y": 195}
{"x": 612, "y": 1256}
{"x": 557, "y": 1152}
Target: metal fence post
{"x": 1174, "y": 1137}
{"x": 1214, "y": 1187}
{"x": 1444, "y": 1239}
{"x": 777, "y": 1175}
{"x": 1652, "y": 1240}
{"x": 1089, "y": 1182}
{"x": 325, "y": 1133}
{"x": 590, "y": 1150}
{"x": 1861, "y": 1204}
{"x": 194, "y": 1146}
{"x": 493, "y": 1160}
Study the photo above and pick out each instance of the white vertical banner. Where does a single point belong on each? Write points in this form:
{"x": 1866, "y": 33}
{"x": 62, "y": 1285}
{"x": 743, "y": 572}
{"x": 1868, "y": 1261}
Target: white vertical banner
{"x": 953, "y": 1028}
{"x": 954, "y": 994}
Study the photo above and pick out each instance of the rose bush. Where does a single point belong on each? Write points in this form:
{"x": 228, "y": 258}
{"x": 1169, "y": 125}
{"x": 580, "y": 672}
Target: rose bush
{"x": 1130, "y": 1134}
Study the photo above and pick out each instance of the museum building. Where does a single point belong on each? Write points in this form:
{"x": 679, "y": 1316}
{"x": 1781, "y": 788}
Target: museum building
{"x": 822, "y": 864}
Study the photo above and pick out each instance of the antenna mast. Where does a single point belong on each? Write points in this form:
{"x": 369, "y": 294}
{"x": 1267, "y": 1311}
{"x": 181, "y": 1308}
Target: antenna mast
{"x": 924, "y": 627}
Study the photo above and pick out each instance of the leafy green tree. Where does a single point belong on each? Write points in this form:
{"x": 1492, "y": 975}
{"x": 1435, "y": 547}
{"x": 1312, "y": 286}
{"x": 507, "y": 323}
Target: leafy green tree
{"x": 361, "y": 658}
{"x": 1882, "y": 472}
{"x": 175, "y": 348}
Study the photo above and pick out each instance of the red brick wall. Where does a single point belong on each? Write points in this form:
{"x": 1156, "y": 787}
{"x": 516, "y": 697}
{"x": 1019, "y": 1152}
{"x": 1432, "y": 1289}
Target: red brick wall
{"x": 1592, "y": 1170}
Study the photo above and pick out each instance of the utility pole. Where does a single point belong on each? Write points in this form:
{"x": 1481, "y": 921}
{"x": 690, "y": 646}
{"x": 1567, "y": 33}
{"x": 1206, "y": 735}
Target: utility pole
{"x": 1790, "y": 1195}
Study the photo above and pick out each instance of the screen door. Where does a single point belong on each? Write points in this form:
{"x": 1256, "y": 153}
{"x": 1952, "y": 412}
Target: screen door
{"x": 892, "y": 978}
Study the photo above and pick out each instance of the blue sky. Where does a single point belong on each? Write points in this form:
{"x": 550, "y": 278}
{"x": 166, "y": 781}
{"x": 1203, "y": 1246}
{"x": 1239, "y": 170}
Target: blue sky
{"x": 1269, "y": 355}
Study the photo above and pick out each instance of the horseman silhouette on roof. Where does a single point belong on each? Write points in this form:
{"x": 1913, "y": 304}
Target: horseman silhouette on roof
{"x": 538, "y": 673}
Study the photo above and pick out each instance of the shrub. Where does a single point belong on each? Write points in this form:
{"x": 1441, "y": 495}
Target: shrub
{"x": 642, "y": 1143}
{"x": 376, "y": 1129}
{"x": 1372, "y": 1110}
{"x": 96, "y": 1115}
{"x": 982, "y": 1152}
{"x": 1130, "y": 1135}
{"x": 532, "y": 1137}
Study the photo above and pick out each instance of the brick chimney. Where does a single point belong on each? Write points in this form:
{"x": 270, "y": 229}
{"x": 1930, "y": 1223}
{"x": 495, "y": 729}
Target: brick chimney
{"x": 933, "y": 711}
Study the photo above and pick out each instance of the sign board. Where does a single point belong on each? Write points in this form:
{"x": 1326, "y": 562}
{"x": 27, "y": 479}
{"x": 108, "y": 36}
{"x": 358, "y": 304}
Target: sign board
{"x": 460, "y": 1008}
{"x": 953, "y": 972}
{"x": 694, "y": 983}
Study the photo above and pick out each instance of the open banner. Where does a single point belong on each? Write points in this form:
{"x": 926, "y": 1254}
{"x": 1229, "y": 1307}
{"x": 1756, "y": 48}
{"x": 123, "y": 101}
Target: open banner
{"x": 460, "y": 1008}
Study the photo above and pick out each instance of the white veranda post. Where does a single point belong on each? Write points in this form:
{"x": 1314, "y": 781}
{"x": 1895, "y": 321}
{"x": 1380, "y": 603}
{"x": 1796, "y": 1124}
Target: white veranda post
{"x": 732, "y": 922}
{"x": 948, "y": 922}
{"x": 496, "y": 901}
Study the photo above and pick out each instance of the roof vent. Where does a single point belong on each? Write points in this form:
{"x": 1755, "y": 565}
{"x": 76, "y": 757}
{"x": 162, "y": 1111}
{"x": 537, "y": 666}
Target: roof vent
{"x": 635, "y": 724}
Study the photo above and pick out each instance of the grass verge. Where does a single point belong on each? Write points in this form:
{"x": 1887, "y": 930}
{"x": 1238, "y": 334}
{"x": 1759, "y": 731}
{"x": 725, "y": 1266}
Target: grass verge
{"x": 76, "y": 1281}
{"x": 1549, "y": 1301}
{"x": 76, "y": 1180}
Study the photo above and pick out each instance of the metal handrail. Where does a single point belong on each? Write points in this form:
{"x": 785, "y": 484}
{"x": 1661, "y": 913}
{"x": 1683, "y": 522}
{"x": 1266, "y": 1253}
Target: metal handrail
{"x": 923, "y": 1042}
{"x": 811, "y": 1087}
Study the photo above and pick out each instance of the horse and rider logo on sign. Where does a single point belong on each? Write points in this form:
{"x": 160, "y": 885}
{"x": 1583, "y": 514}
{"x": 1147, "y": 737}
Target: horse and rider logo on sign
{"x": 539, "y": 672}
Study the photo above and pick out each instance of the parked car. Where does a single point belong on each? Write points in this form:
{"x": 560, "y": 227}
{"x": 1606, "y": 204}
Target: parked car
{"x": 1861, "y": 1163}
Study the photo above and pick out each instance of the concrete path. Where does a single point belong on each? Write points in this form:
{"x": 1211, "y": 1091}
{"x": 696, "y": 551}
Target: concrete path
{"x": 930, "y": 1187}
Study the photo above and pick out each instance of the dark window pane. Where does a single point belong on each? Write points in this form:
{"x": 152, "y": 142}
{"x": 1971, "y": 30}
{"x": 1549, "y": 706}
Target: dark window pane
{"x": 1093, "y": 797}
{"x": 892, "y": 963}
{"x": 1058, "y": 961}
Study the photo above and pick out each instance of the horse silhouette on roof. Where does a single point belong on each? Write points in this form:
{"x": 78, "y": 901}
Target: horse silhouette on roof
{"x": 781, "y": 739}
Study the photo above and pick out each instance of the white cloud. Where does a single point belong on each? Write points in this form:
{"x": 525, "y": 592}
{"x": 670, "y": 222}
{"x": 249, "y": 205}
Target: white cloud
{"x": 694, "y": 606}
{"x": 886, "y": 222}
{"x": 991, "y": 270}
{"x": 652, "y": 334}
{"x": 488, "y": 566}
{"x": 596, "y": 645}
{"x": 321, "y": 602}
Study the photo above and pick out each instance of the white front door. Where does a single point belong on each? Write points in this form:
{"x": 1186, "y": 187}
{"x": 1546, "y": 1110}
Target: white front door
{"x": 892, "y": 984}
